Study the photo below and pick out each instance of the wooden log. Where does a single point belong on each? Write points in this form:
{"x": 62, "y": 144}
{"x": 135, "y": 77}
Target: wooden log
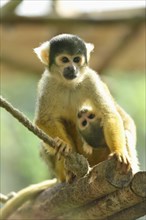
{"x": 131, "y": 213}
{"x": 114, "y": 202}
{"x": 138, "y": 184}
{"x": 103, "y": 179}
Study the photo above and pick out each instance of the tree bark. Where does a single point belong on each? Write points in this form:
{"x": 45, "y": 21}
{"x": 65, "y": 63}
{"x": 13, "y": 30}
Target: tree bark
{"x": 101, "y": 194}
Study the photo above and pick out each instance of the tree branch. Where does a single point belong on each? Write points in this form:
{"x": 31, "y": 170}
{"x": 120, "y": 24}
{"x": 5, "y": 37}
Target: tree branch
{"x": 131, "y": 213}
{"x": 26, "y": 122}
{"x": 97, "y": 195}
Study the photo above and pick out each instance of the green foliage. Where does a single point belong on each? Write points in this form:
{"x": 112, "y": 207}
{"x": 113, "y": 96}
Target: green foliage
{"x": 20, "y": 161}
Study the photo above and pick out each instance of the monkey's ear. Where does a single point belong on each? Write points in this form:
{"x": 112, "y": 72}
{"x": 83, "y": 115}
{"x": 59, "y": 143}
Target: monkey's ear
{"x": 43, "y": 52}
{"x": 89, "y": 48}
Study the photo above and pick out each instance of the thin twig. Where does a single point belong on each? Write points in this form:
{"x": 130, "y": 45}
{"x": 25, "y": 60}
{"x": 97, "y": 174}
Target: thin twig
{"x": 26, "y": 122}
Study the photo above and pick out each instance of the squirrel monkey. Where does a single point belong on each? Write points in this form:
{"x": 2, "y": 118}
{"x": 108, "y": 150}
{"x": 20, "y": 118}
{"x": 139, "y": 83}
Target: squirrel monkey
{"x": 67, "y": 83}
{"x": 97, "y": 131}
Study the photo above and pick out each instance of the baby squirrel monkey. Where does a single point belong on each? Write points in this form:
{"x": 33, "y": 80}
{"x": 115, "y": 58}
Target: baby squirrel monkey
{"x": 65, "y": 86}
{"x": 91, "y": 129}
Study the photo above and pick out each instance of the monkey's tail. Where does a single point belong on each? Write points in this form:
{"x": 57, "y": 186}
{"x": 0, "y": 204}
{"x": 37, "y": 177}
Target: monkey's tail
{"x": 23, "y": 195}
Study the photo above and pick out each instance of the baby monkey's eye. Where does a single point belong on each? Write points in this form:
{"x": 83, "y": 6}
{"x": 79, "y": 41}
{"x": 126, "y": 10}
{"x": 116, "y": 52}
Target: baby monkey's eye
{"x": 65, "y": 60}
{"x": 91, "y": 116}
{"x": 84, "y": 123}
{"x": 76, "y": 59}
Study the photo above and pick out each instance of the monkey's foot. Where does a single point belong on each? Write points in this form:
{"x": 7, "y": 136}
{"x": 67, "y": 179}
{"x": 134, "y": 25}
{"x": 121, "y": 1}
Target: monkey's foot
{"x": 123, "y": 161}
{"x": 62, "y": 148}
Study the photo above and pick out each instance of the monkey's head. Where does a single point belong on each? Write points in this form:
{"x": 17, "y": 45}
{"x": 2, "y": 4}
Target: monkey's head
{"x": 90, "y": 127}
{"x": 65, "y": 55}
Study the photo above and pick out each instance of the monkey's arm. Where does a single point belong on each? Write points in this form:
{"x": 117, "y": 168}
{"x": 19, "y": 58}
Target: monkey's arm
{"x": 22, "y": 196}
{"x": 112, "y": 123}
{"x": 55, "y": 129}
{"x": 130, "y": 134}
{"x": 128, "y": 122}
{"x": 114, "y": 133}
{"x": 129, "y": 125}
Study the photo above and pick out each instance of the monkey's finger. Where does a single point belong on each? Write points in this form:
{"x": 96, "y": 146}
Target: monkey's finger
{"x": 124, "y": 168}
{"x": 127, "y": 164}
{"x": 116, "y": 156}
{"x": 58, "y": 142}
{"x": 58, "y": 153}
{"x": 61, "y": 150}
{"x": 123, "y": 163}
{"x": 58, "y": 156}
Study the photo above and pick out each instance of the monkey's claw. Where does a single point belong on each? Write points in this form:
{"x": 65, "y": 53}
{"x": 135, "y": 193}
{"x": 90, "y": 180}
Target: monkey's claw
{"x": 62, "y": 148}
{"x": 123, "y": 161}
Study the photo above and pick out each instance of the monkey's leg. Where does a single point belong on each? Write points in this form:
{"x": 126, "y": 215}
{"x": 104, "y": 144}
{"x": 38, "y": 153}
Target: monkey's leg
{"x": 55, "y": 166}
{"x": 130, "y": 134}
{"x": 65, "y": 144}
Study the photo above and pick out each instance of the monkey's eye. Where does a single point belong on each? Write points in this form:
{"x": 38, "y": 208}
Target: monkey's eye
{"x": 65, "y": 60}
{"x": 84, "y": 123}
{"x": 76, "y": 59}
{"x": 91, "y": 116}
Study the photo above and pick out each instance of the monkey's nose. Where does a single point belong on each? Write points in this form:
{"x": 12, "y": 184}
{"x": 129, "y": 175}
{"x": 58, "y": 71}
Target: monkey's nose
{"x": 70, "y": 72}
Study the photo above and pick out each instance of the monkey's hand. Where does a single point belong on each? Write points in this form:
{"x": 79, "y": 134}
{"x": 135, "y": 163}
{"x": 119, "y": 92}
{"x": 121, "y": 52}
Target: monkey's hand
{"x": 62, "y": 148}
{"x": 123, "y": 161}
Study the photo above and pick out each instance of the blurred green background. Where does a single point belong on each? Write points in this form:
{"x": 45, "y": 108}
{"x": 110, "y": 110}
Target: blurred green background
{"x": 20, "y": 161}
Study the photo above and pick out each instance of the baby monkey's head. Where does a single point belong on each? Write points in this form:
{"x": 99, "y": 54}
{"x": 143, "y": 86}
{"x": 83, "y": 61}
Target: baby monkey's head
{"x": 90, "y": 127}
{"x": 65, "y": 55}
